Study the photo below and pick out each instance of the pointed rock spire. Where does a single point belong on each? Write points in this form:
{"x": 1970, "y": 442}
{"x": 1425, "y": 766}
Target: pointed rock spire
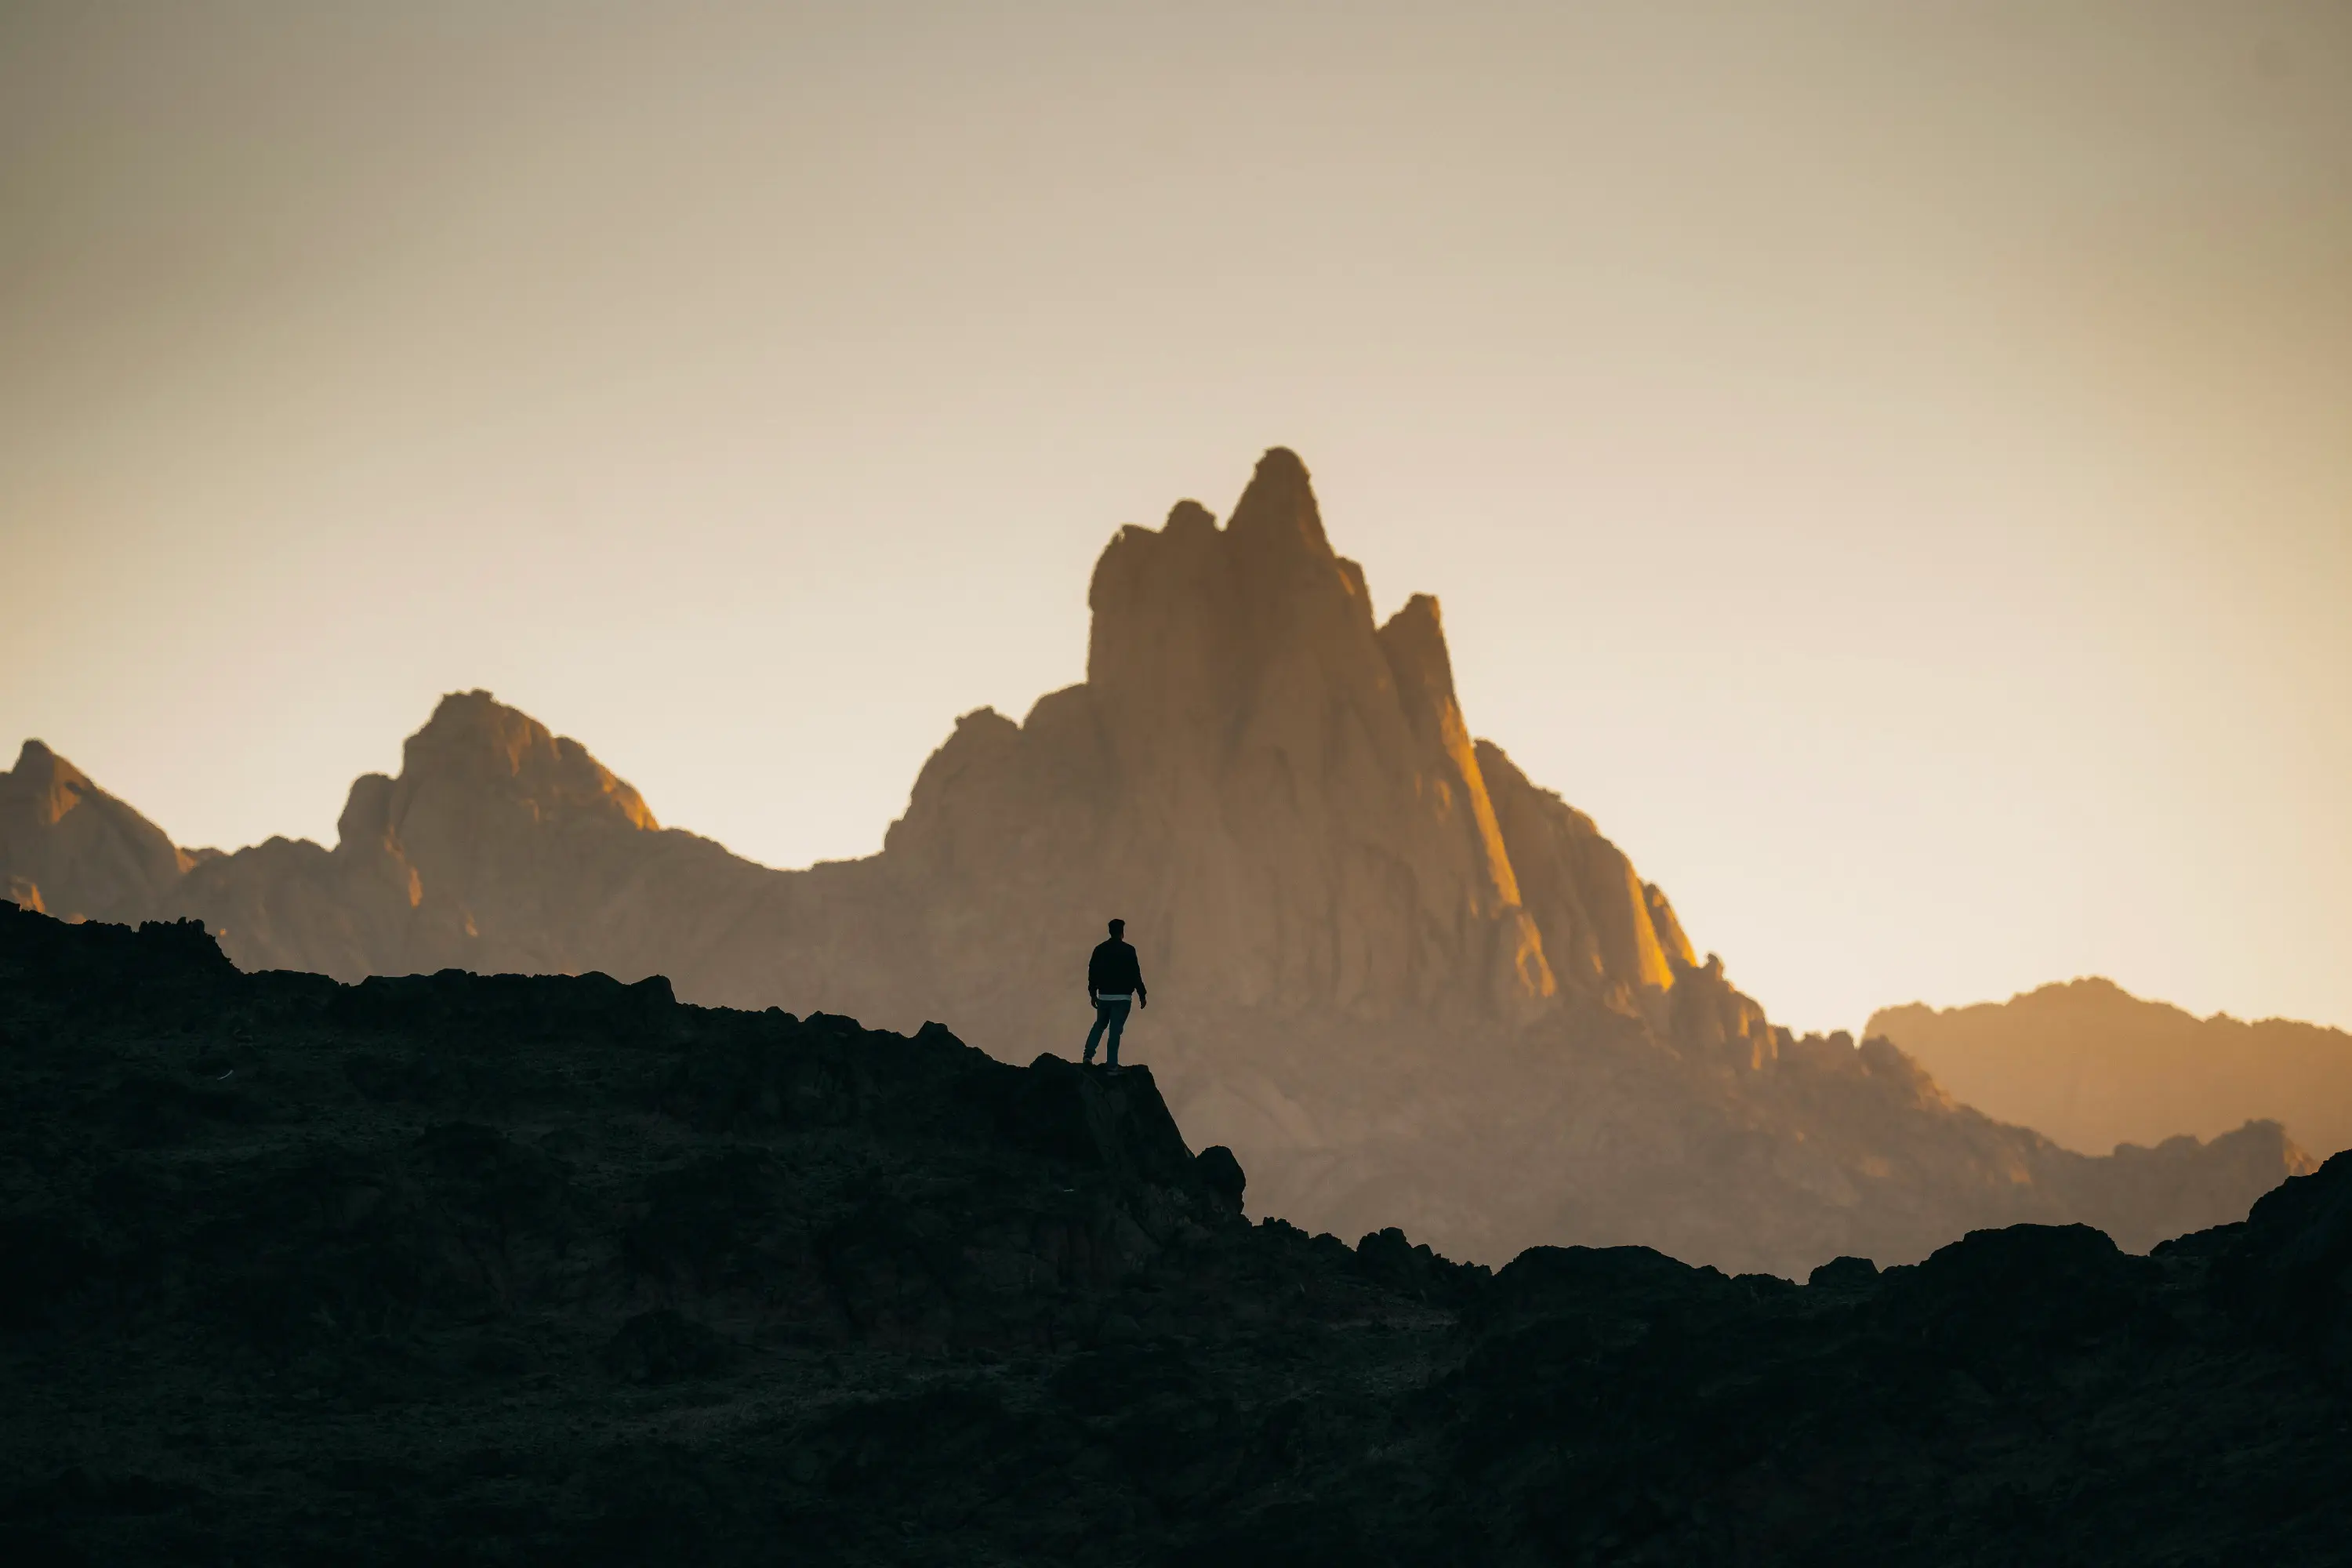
{"x": 1277, "y": 510}
{"x": 1414, "y": 642}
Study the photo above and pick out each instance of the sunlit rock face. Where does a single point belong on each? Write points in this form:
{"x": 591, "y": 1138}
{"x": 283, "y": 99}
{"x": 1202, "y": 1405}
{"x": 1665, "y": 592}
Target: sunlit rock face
{"x": 71, "y": 848}
{"x": 1404, "y": 983}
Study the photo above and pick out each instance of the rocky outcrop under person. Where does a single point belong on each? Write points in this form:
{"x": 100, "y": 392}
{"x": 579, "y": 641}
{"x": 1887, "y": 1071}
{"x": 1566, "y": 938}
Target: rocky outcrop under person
{"x": 474, "y": 1270}
{"x": 1404, "y": 983}
{"x": 2093, "y": 1066}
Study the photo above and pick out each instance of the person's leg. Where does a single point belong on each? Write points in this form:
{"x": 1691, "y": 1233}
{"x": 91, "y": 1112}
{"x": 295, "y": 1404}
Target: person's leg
{"x": 1102, "y": 1016}
{"x": 1117, "y": 1012}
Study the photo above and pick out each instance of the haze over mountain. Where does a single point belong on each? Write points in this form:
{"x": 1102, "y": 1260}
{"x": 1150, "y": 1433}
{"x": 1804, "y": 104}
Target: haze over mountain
{"x": 2093, "y": 1066}
{"x": 1405, "y": 983}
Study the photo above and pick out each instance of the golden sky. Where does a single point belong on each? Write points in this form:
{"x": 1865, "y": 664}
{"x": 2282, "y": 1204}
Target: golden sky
{"x": 1891, "y": 463}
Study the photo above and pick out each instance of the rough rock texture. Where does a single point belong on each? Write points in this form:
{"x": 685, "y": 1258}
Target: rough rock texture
{"x": 2093, "y": 1066}
{"x": 1406, "y": 985}
{"x": 453, "y": 1269}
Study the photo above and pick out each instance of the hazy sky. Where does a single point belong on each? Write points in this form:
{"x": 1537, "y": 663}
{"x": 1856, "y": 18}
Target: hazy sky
{"x": 1891, "y": 463}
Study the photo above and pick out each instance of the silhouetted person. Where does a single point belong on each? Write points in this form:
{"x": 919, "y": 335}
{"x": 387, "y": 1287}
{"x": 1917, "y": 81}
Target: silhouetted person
{"x": 1114, "y": 979}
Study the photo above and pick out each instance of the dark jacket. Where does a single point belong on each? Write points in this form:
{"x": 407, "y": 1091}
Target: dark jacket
{"x": 1114, "y": 969}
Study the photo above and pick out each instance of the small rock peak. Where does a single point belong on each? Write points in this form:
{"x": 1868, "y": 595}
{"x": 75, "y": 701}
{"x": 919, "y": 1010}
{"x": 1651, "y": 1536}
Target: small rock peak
{"x": 1413, "y": 640}
{"x": 1351, "y": 576}
{"x": 1844, "y": 1275}
{"x": 1189, "y": 519}
{"x": 366, "y": 823}
{"x": 1271, "y": 548}
{"x": 1278, "y": 507}
{"x": 474, "y": 725}
{"x": 42, "y": 772}
{"x": 1222, "y": 1172}
{"x": 89, "y": 855}
{"x": 1281, "y": 462}
{"x": 56, "y": 784}
{"x": 460, "y": 713}
{"x": 984, "y": 719}
{"x": 476, "y": 742}
{"x": 984, "y": 731}
{"x": 938, "y": 807}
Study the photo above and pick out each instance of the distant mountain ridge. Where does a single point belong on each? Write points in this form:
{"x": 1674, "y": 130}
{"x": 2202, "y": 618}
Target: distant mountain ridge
{"x": 1407, "y": 985}
{"x": 2093, "y": 1066}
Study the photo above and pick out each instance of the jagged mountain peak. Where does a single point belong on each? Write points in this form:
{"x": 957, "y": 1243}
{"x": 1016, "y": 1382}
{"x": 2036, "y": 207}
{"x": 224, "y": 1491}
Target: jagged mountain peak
{"x": 1218, "y": 606}
{"x": 1241, "y": 702}
{"x": 1413, "y": 640}
{"x": 476, "y": 743}
{"x": 70, "y": 848}
{"x": 1278, "y": 508}
{"x": 1189, "y": 519}
{"x": 46, "y": 781}
{"x": 470, "y": 858}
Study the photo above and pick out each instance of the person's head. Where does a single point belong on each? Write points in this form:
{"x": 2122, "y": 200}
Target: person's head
{"x": 1118, "y": 928}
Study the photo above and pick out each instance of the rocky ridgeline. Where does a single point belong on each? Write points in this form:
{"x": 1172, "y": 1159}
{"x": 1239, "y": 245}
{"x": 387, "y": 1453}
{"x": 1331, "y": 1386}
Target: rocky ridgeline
{"x": 477, "y": 1269}
{"x": 2093, "y": 1066}
{"x": 1407, "y": 985}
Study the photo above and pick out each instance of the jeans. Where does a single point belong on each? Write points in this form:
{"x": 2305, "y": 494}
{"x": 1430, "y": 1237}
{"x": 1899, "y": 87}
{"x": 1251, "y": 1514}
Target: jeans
{"x": 1111, "y": 1016}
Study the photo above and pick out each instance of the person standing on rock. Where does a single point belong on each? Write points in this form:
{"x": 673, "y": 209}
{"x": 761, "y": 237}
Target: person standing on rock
{"x": 1114, "y": 979}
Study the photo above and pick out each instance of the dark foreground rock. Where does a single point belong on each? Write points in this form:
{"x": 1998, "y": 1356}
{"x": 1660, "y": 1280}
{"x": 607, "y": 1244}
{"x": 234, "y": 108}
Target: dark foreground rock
{"x": 461, "y": 1270}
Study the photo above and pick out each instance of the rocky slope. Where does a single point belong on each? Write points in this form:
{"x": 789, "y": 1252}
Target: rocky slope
{"x": 480, "y": 1270}
{"x": 1405, "y": 983}
{"x": 2093, "y": 1066}
{"x": 60, "y": 831}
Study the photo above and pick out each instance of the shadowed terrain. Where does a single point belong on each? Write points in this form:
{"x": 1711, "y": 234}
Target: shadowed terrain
{"x": 1403, "y": 983}
{"x": 2093, "y": 1066}
{"x": 486, "y": 1269}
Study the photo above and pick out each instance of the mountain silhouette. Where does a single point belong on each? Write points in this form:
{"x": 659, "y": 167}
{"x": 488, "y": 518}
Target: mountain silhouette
{"x": 2093, "y": 1066}
{"x": 1404, "y": 983}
